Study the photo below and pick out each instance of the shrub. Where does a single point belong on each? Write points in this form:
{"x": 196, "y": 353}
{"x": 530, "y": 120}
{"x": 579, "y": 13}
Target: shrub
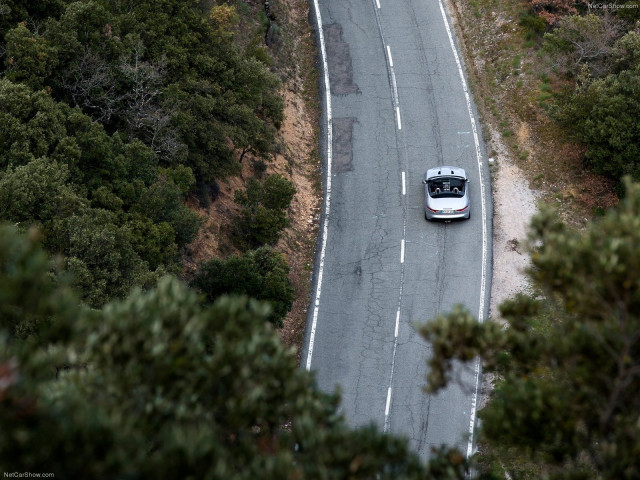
{"x": 263, "y": 216}
{"x": 533, "y": 25}
{"x": 604, "y": 115}
{"x": 578, "y": 41}
{"x": 261, "y": 274}
{"x": 552, "y": 10}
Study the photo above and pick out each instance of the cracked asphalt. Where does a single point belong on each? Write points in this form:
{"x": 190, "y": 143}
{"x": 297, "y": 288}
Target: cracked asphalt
{"x": 382, "y": 257}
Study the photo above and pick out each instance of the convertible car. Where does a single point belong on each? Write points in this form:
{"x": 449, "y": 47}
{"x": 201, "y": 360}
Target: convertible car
{"x": 446, "y": 194}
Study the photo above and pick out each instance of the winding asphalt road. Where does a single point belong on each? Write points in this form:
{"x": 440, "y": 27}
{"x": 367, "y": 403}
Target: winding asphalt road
{"x": 396, "y": 104}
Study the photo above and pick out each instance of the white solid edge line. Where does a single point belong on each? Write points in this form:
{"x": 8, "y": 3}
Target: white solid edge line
{"x": 389, "y": 53}
{"x": 327, "y": 200}
{"x": 402, "y": 251}
{"x": 396, "y": 100}
{"x": 404, "y": 188}
{"x": 474, "y": 400}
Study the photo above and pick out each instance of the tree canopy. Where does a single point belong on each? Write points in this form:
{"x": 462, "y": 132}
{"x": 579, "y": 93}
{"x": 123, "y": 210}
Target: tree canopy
{"x": 260, "y": 274}
{"x": 92, "y": 194}
{"x": 157, "y": 385}
{"x": 165, "y": 72}
{"x": 264, "y": 211}
{"x": 603, "y": 114}
{"x": 568, "y": 359}
{"x": 590, "y": 65}
{"x": 111, "y": 113}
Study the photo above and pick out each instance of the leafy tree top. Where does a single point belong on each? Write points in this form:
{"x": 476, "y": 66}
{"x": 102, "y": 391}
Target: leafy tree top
{"x": 158, "y": 385}
{"x": 569, "y": 360}
{"x": 261, "y": 274}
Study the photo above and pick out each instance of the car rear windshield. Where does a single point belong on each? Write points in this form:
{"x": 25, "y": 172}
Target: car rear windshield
{"x": 443, "y": 187}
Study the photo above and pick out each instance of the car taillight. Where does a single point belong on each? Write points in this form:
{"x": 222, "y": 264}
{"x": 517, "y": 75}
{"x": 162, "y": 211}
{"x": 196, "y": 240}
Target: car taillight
{"x": 463, "y": 209}
{"x": 431, "y": 209}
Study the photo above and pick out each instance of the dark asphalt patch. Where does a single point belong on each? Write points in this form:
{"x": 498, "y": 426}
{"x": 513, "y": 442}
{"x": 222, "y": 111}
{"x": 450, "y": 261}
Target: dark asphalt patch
{"x": 343, "y": 144}
{"x": 339, "y": 61}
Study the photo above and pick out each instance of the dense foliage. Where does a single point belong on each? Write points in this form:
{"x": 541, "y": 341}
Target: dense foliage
{"x": 568, "y": 360}
{"x": 601, "y": 110}
{"x": 100, "y": 200}
{"x": 110, "y": 114}
{"x": 260, "y": 274}
{"x": 166, "y": 72}
{"x": 603, "y": 113}
{"x": 590, "y": 63}
{"x": 264, "y": 211}
{"x": 158, "y": 386}
{"x": 583, "y": 42}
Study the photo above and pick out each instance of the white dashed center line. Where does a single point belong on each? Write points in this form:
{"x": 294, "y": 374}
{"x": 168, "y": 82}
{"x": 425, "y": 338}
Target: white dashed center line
{"x": 397, "y": 322}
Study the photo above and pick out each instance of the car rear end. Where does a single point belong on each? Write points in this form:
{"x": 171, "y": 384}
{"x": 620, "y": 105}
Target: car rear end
{"x": 453, "y": 209}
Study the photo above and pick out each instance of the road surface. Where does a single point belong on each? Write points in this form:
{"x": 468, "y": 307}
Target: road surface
{"x": 396, "y": 103}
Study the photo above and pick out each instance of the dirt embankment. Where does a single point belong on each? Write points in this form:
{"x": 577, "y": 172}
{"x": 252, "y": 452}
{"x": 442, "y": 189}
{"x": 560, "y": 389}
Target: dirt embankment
{"x": 296, "y": 159}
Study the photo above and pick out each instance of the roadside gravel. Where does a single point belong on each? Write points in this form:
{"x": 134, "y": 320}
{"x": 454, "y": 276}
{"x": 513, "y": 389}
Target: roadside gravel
{"x": 514, "y": 205}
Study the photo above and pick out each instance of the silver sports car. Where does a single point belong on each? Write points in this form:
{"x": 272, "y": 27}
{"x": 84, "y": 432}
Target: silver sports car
{"x": 446, "y": 194}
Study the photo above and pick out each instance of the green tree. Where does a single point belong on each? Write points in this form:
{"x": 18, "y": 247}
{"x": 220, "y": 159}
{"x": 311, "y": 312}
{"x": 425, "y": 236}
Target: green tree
{"x": 157, "y": 385}
{"x": 37, "y": 192}
{"x": 603, "y": 114}
{"x": 264, "y": 212}
{"x": 261, "y": 274}
{"x": 165, "y": 73}
{"x": 101, "y": 256}
{"x": 153, "y": 242}
{"x": 568, "y": 361}
{"x": 28, "y": 297}
{"x": 31, "y": 124}
{"x": 627, "y": 51}
{"x": 629, "y": 12}
{"x": 28, "y": 58}
{"x": 259, "y": 226}
{"x": 168, "y": 73}
{"x": 33, "y": 11}
{"x": 162, "y": 202}
{"x": 583, "y": 40}
{"x": 277, "y": 192}
{"x": 102, "y": 201}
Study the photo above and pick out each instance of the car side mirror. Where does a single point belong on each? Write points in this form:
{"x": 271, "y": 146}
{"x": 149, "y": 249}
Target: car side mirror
{"x": 424, "y": 181}
{"x": 468, "y": 181}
